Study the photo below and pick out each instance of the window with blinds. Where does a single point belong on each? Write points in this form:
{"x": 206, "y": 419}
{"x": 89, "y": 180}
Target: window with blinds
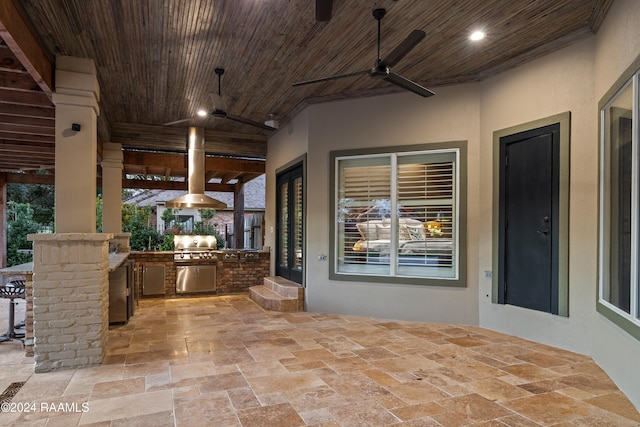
{"x": 284, "y": 225}
{"x": 297, "y": 223}
{"x": 397, "y": 214}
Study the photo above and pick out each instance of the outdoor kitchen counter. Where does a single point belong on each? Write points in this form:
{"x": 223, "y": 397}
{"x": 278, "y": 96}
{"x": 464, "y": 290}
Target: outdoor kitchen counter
{"x": 116, "y": 260}
{"x": 236, "y": 270}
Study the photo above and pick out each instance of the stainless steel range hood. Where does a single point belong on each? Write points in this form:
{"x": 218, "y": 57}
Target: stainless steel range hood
{"x": 196, "y": 170}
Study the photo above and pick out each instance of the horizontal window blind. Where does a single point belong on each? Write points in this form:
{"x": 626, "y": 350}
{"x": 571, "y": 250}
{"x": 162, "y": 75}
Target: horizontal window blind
{"x": 297, "y": 223}
{"x": 426, "y": 193}
{"x": 411, "y": 235}
{"x": 365, "y": 193}
{"x": 284, "y": 221}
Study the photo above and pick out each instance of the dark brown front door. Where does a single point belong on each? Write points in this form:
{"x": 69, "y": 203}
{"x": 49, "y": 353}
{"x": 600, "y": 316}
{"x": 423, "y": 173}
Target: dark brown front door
{"x": 529, "y": 214}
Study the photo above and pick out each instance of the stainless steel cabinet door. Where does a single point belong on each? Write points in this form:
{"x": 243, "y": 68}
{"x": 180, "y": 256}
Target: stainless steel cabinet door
{"x": 195, "y": 278}
{"x": 153, "y": 280}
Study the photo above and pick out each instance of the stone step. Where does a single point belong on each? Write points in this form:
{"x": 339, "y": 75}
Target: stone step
{"x": 271, "y": 300}
{"x": 284, "y": 287}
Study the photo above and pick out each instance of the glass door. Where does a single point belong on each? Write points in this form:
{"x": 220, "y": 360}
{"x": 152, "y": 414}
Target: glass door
{"x": 289, "y": 229}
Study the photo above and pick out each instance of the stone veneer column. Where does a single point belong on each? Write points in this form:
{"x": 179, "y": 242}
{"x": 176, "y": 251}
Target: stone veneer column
{"x": 112, "y": 187}
{"x": 70, "y": 299}
{"x": 28, "y": 315}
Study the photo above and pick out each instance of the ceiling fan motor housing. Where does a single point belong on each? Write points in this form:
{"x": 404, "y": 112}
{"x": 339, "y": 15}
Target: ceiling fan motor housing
{"x": 380, "y": 70}
{"x": 379, "y": 13}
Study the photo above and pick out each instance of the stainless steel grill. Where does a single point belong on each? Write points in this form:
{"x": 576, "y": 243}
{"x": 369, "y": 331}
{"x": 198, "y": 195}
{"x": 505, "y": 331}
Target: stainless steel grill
{"x": 194, "y": 248}
{"x": 198, "y": 256}
{"x": 195, "y": 263}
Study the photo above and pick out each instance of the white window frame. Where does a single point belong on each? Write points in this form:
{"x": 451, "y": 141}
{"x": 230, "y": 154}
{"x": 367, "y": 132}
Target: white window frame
{"x": 458, "y": 149}
{"x": 627, "y": 321}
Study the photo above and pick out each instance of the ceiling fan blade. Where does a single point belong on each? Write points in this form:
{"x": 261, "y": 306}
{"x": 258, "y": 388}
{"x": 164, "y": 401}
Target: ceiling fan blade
{"x": 326, "y": 79}
{"x": 408, "y": 85}
{"x": 175, "y": 122}
{"x": 323, "y": 10}
{"x": 249, "y": 122}
{"x": 403, "y": 48}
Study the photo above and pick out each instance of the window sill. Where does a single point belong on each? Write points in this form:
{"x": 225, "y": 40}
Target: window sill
{"x": 627, "y": 324}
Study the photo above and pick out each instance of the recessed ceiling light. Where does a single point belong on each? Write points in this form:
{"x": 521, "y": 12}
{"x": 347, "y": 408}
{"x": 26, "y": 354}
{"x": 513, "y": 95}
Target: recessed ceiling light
{"x": 477, "y": 35}
{"x": 202, "y": 113}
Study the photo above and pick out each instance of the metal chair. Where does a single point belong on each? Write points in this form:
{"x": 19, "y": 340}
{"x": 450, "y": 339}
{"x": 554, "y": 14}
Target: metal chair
{"x": 11, "y": 291}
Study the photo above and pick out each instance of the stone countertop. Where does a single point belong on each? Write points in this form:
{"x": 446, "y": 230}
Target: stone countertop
{"x": 215, "y": 250}
{"x": 116, "y": 260}
{"x": 26, "y": 268}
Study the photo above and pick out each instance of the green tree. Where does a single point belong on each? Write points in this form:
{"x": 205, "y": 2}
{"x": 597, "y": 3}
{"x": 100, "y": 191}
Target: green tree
{"x": 40, "y": 198}
{"x": 168, "y": 216}
{"x": 20, "y": 223}
{"x": 137, "y": 222}
{"x": 99, "y": 207}
{"x": 207, "y": 214}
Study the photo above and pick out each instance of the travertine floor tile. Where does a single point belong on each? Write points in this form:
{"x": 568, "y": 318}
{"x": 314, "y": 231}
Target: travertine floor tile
{"x": 224, "y": 361}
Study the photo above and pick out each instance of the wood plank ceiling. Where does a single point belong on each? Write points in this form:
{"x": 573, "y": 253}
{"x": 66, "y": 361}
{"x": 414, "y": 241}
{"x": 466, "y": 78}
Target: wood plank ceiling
{"x": 156, "y": 61}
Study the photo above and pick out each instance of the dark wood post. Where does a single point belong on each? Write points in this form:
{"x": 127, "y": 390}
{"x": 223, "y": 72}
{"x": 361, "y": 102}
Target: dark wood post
{"x": 238, "y": 215}
{"x": 3, "y": 220}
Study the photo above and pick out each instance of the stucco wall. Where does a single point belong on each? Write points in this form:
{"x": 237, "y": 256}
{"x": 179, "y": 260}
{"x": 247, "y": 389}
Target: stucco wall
{"x": 401, "y": 119}
{"x": 554, "y": 84}
{"x": 616, "y": 47}
{"x": 573, "y": 79}
{"x": 287, "y": 145}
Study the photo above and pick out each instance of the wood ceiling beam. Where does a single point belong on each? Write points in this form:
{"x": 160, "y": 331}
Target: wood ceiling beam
{"x": 21, "y": 97}
{"x": 30, "y": 158}
{"x": 166, "y": 160}
{"x": 136, "y": 131}
{"x": 167, "y": 138}
{"x": 9, "y": 63}
{"x": 15, "y": 168}
{"x": 15, "y": 32}
{"x": 18, "y": 163}
{"x": 171, "y": 185}
{"x": 31, "y": 138}
{"x": 31, "y": 111}
{"x": 27, "y": 121}
{"x": 10, "y": 127}
{"x": 246, "y": 177}
{"x": 12, "y": 147}
{"x": 32, "y": 178}
{"x": 16, "y": 80}
{"x": 209, "y": 175}
{"x": 179, "y": 161}
{"x": 229, "y": 176}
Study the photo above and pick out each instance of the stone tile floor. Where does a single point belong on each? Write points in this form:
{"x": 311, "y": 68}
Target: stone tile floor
{"x": 223, "y": 361}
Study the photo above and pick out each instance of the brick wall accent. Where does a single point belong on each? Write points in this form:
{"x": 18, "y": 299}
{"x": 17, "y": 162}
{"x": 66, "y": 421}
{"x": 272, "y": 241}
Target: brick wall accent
{"x": 155, "y": 258}
{"x": 70, "y": 300}
{"x": 239, "y": 274}
{"x": 233, "y": 274}
{"x": 28, "y": 315}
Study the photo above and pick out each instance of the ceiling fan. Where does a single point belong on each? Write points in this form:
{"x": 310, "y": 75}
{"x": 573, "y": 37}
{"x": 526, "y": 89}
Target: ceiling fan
{"x": 382, "y": 67}
{"x": 323, "y": 10}
{"x": 220, "y": 112}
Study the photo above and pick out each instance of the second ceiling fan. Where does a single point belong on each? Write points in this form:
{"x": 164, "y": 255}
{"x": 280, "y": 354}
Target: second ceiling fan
{"x": 323, "y": 10}
{"x": 382, "y": 67}
{"x": 219, "y": 110}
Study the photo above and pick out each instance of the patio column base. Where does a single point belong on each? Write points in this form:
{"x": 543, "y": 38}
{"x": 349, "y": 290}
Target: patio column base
{"x": 70, "y": 299}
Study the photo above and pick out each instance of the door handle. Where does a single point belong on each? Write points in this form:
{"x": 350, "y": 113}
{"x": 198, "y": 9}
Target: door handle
{"x": 543, "y": 232}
